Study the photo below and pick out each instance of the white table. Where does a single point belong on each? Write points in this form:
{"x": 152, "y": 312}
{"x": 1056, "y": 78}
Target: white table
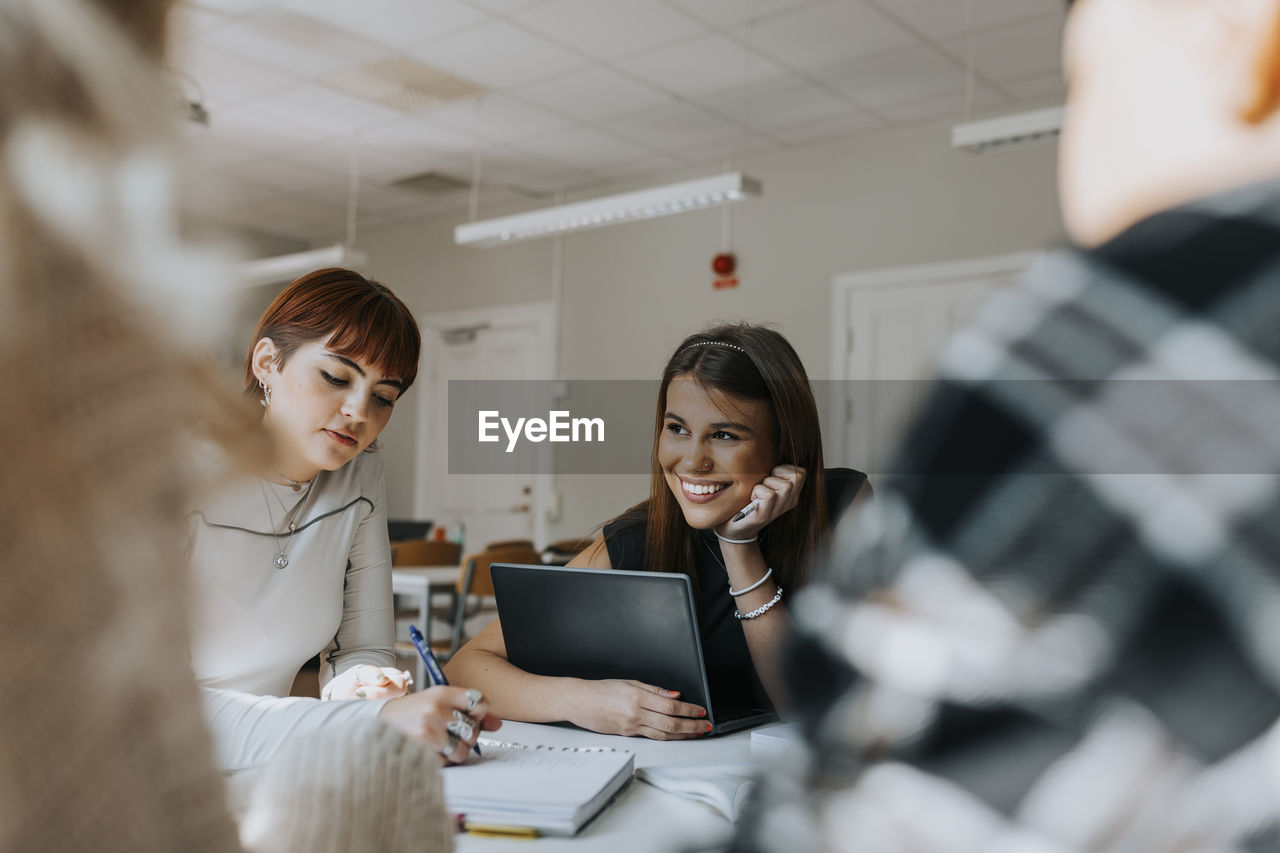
{"x": 419, "y": 583}
{"x": 641, "y": 818}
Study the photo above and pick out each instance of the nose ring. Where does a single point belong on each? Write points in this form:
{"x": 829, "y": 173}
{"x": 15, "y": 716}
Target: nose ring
{"x": 706, "y": 465}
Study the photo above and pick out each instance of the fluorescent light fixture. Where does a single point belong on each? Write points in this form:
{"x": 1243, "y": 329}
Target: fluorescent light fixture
{"x": 610, "y": 210}
{"x": 289, "y": 267}
{"x": 1008, "y": 131}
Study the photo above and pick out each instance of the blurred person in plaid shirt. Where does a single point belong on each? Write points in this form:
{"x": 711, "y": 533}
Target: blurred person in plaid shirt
{"x": 1059, "y": 629}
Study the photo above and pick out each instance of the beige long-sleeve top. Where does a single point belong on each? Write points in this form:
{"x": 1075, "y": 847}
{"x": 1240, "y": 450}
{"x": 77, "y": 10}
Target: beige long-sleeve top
{"x": 255, "y": 625}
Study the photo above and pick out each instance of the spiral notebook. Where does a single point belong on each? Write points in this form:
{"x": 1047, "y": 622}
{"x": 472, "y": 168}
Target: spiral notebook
{"x": 553, "y": 789}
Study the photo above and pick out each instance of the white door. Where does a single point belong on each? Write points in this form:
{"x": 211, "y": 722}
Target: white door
{"x": 509, "y": 343}
{"x": 889, "y": 325}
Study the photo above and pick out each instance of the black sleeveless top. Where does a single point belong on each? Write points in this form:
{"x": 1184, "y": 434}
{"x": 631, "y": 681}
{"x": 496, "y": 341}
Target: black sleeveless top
{"x": 730, "y": 671}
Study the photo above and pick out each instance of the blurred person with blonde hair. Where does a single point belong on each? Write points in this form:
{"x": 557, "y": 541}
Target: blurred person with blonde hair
{"x": 1057, "y": 631}
{"x": 102, "y": 744}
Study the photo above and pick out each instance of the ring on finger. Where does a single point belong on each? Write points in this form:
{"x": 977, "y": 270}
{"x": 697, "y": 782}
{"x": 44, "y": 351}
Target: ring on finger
{"x": 473, "y": 697}
{"x": 460, "y": 729}
{"x": 450, "y": 744}
{"x": 463, "y": 718}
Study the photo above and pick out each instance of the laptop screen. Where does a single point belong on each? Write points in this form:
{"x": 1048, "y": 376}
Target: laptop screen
{"x": 601, "y": 623}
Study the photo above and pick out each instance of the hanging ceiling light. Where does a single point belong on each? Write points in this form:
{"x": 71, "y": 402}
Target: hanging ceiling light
{"x": 609, "y": 210}
{"x": 1008, "y": 131}
{"x": 283, "y": 268}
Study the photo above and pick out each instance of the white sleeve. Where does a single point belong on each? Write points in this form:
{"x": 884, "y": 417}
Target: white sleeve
{"x": 367, "y": 631}
{"x": 248, "y": 730}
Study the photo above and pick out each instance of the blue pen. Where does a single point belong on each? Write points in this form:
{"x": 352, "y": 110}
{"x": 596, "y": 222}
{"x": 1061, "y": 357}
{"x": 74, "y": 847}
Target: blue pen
{"x": 434, "y": 672}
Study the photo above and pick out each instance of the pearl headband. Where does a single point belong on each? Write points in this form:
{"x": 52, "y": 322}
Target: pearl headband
{"x": 717, "y": 344}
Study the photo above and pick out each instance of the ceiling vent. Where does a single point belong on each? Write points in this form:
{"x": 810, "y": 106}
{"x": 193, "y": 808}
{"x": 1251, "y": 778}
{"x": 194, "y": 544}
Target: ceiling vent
{"x": 403, "y": 84}
{"x": 431, "y": 183}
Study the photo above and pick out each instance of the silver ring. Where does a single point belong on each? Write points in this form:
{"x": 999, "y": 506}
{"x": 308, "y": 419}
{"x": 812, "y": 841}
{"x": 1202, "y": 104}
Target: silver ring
{"x": 473, "y": 697}
{"x": 460, "y": 729}
{"x": 450, "y": 744}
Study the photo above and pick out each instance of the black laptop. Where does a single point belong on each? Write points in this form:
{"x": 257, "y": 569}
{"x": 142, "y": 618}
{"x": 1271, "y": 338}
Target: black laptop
{"x": 607, "y": 623}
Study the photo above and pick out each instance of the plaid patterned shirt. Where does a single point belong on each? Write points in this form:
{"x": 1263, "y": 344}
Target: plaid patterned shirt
{"x": 1059, "y": 628}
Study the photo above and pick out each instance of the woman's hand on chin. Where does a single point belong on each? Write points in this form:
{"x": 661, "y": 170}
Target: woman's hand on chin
{"x": 777, "y": 493}
{"x": 428, "y": 715}
{"x": 616, "y": 707}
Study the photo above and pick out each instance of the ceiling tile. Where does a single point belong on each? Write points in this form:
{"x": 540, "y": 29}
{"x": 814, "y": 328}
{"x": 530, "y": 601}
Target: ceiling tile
{"x": 245, "y": 128}
{"x": 226, "y": 79}
{"x": 654, "y": 168}
{"x": 829, "y": 34}
{"x": 499, "y": 117}
{"x": 230, "y": 192}
{"x": 283, "y": 174}
{"x": 951, "y": 106}
{"x": 727, "y": 13}
{"x": 213, "y": 152}
{"x": 294, "y": 43}
{"x": 946, "y": 19}
{"x": 231, "y": 7}
{"x": 187, "y": 22}
{"x": 702, "y": 65}
{"x": 325, "y": 110}
{"x": 397, "y": 23}
{"x": 793, "y": 101}
{"x": 402, "y": 150}
{"x": 608, "y": 29}
{"x": 513, "y": 169}
{"x": 910, "y": 75}
{"x": 851, "y": 124}
{"x": 1044, "y": 86}
{"x": 1020, "y": 50}
{"x": 593, "y": 93}
{"x": 504, "y": 7}
{"x": 720, "y": 155}
{"x": 671, "y": 128}
{"x": 498, "y": 55}
{"x": 582, "y": 147}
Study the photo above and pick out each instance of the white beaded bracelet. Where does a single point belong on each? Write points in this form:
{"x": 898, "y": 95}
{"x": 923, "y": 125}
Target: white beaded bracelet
{"x": 737, "y": 592}
{"x": 763, "y": 608}
{"x": 734, "y": 541}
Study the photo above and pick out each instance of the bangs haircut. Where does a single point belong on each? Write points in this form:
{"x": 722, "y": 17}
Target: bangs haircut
{"x": 361, "y": 319}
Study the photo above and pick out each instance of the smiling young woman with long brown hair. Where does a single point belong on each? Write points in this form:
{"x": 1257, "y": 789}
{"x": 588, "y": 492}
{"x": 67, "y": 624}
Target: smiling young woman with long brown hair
{"x": 736, "y": 424}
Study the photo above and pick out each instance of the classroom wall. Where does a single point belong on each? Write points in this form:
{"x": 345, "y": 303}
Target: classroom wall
{"x": 630, "y": 293}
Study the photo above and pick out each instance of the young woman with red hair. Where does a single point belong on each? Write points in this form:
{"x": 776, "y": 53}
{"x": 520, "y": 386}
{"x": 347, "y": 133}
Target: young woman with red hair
{"x": 294, "y": 561}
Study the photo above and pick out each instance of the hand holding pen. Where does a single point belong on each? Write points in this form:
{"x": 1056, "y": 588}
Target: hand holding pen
{"x": 776, "y": 494}
{"x": 461, "y": 727}
{"x": 446, "y": 718}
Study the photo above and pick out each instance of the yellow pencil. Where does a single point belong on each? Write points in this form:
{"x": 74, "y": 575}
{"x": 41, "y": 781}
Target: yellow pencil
{"x": 501, "y": 831}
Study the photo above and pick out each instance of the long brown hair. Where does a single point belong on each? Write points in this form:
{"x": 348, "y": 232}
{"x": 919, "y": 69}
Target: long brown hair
{"x": 753, "y": 363}
{"x": 361, "y": 318}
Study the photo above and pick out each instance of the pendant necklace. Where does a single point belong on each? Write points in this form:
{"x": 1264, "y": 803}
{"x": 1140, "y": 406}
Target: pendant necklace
{"x": 281, "y": 560}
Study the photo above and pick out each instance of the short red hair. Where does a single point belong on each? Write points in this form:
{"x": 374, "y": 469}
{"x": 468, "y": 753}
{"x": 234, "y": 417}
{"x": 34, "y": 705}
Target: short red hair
{"x": 361, "y": 319}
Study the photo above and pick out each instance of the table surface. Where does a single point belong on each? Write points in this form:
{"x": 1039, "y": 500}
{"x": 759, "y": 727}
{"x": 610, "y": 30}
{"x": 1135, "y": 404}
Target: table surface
{"x": 641, "y": 817}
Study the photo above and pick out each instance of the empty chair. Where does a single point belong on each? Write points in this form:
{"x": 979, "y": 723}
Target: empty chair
{"x": 474, "y": 580}
{"x": 509, "y": 543}
{"x": 560, "y": 552}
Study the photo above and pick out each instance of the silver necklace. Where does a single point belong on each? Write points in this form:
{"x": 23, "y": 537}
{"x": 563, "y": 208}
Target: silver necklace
{"x": 710, "y": 550}
{"x": 289, "y": 481}
{"x": 281, "y": 560}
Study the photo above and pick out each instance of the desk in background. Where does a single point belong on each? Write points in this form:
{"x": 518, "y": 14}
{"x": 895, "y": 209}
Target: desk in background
{"x": 419, "y": 583}
{"x": 642, "y": 819}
